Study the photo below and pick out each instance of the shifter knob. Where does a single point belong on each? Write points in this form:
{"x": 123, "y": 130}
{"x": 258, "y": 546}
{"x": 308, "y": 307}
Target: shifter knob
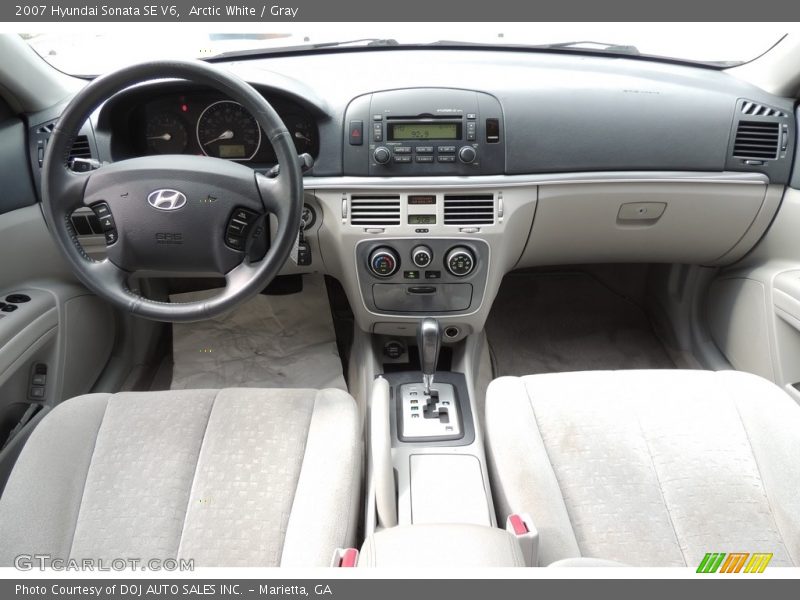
{"x": 428, "y": 340}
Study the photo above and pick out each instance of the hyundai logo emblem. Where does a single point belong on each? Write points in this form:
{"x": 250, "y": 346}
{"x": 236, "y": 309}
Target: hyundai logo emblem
{"x": 166, "y": 199}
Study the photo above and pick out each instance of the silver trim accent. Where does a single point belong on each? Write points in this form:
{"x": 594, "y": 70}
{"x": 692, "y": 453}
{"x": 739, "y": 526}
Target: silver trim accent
{"x": 166, "y": 199}
{"x": 429, "y": 339}
{"x": 505, "y": 181}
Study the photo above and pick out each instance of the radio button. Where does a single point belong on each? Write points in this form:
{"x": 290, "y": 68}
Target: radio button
{"x": 467, "y": 154}
{"x": 471, "y": 116}
{"x": 471, "y": 131}
{"x": 446, "y": 149}
{"x": 424, "y": 159}
{"x": 446, "y": 158}
{"x": 402, "y": 159}
{"x": 377, "y": 132}
{"x": 402, "y": 149}
{"x": 424, "y": 149}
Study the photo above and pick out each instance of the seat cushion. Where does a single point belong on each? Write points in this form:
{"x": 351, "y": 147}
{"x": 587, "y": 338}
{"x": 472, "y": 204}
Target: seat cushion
{"x": 233, "y": 477}
{"x": 648, "y": 468}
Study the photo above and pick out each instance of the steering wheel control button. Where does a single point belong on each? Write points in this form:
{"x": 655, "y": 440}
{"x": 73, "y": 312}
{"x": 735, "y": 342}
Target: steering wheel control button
{"x": 101, "y": 210}
{"x": 107, "y": 224}
{"x": 239, "y": 227}
{"x": 241, "y": 214}
{"x": 421, "y": 256}
{"x": 460, "y": 261}
{"x": 383, "y": 262}
{"x": 105, "y": 221}
{"x": 18, "y": 298}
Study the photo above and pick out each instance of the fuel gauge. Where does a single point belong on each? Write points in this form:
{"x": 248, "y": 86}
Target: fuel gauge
{"x": 166, "y": 134}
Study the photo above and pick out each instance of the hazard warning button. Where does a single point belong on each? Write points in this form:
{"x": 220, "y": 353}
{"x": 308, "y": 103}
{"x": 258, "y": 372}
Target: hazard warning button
{"x": 356, "y": 133}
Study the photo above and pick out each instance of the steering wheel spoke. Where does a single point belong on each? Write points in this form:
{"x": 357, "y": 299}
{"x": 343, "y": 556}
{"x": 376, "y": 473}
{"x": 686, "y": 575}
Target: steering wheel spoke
{"x": 71, "y": 189}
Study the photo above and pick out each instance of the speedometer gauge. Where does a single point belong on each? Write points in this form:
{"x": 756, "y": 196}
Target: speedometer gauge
{"x": 226, "y": 129}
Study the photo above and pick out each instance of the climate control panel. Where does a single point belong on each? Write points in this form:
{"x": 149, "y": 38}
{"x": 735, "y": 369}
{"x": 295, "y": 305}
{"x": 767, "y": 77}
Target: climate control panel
{"x": 404, "y": 276}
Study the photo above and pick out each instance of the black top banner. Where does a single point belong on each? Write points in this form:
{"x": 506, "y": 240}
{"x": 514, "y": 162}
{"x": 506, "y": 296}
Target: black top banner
{"x": 271, "y": 11}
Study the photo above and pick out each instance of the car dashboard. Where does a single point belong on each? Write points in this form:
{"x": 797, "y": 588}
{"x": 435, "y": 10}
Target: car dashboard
{"x": 438, "y": 171}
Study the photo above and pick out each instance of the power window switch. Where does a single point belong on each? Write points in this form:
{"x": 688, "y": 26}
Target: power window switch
{"x": 37, "y": 392}
{"x": 39, "y": 379}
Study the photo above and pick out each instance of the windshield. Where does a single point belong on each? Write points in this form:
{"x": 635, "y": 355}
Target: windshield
{"x": 81, "y": 51}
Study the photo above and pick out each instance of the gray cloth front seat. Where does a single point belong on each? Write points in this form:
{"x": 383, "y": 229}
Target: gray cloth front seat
{"x": 235, "y": 477}
{"x": 648, "y": 468}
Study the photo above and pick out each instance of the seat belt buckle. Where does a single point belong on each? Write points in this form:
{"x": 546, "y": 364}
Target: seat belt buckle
{"x": 344, "y": 557}
{"x": 521, "y": 527}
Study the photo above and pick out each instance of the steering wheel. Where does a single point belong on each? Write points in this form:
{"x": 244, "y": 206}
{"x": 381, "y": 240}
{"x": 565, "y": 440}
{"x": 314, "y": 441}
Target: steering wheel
{"x": 174, "y": 213}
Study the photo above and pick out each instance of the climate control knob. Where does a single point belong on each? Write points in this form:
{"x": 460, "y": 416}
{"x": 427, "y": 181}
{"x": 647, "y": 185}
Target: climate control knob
{"x": 383, "y": 262}
{"x": 460, "y": 261}
{"x": 382, "y": 155}
{"x": 467, "y": 154}
{"x": 421, "y": 256}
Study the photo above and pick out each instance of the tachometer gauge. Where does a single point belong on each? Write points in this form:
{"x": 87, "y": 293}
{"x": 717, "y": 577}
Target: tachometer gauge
{"x": 166, "y": 134}
{"x": 303, "y": 132}
{"x": 226, "y": 129}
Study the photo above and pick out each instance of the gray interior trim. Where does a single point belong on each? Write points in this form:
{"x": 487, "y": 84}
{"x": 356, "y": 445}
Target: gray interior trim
{"x": 495, "y": 181}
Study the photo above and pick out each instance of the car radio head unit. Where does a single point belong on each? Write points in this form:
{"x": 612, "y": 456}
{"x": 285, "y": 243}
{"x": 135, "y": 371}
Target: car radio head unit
{"x": 424, "y": 131}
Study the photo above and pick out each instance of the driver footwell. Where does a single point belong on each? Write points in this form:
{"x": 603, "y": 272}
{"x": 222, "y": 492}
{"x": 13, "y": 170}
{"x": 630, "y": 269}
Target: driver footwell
{"x": 269, "y": 341}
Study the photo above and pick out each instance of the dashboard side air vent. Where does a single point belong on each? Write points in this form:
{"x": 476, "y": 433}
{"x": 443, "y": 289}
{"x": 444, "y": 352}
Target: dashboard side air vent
{"x": 758, "y": 140}
{"x": 374, "y": 210}
{"x": 80, "y": 148}
{"x": 760, "y": 110}
{"x": 469, "y": 209}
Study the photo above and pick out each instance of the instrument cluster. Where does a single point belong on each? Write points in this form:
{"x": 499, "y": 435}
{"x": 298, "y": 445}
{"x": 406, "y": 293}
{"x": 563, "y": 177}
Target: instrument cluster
{"x": 208, "y": 124}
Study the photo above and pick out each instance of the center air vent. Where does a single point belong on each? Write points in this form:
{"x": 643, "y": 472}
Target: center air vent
{"x": 372, "y": 210}
{"x": 757, "y": 140}
{"x": 468, "y": 209}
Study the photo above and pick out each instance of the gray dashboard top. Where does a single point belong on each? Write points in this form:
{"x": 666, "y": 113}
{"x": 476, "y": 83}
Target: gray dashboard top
{"x": 563, "y": 113}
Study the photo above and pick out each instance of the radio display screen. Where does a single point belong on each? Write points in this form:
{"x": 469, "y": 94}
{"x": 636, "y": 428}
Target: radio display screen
{"x": 424, "y": 131}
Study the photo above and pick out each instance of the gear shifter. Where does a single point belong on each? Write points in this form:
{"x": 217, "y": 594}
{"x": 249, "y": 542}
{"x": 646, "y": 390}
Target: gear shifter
{"x": 428, "y": 340}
